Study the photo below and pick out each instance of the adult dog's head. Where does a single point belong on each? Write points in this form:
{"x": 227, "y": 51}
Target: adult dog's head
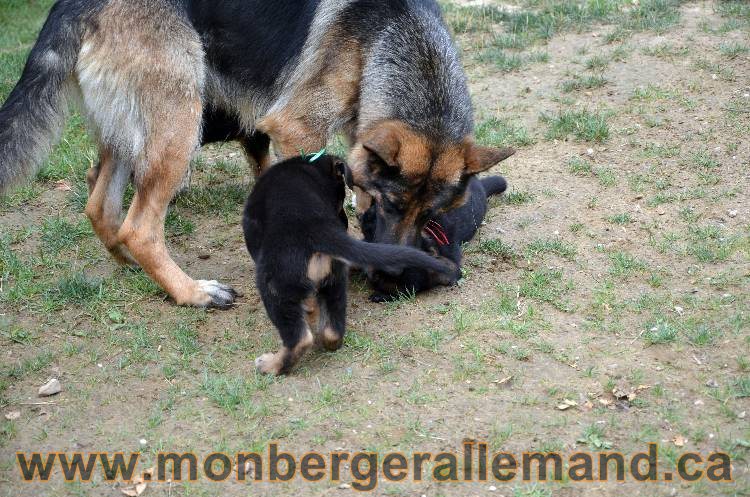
{"x": 412, "y": 178}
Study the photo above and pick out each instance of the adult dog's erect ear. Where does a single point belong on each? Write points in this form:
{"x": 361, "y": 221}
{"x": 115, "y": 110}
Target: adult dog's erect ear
{"x": 384, "y": 143}
{"x": 479, "y": 159}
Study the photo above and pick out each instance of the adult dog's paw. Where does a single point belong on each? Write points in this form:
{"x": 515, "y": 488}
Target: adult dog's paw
{"x": 222, "y": 296}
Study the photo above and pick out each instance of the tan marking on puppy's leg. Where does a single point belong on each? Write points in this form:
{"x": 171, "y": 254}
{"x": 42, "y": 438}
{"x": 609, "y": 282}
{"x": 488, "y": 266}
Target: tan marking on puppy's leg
{"x": 319, "y": 267}
{"x": 283, "y": 360}
{"x": 311, "y": 309}
{"x": 107, "y": 185}
{"x": 331, "y": 340}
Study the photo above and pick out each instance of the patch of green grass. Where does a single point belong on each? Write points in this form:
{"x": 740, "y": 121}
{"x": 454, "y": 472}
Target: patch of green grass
{"x": 214, "y": 199}
{"x": 653, "y": 15}
{"x": 665, "y": 51}
{"x": 597, "y": 63}
{"x": 551, "y": 246}
{"x": 624, "y": 265}
{"x": 710, "y": 244}
{"x": 233, "y": 393}
{"x": 621, "y": 219}
{"x": 506, "y": 61}
{"x": 59, "y": 234}
{"x": 497, "y": 248}
{"x": 723, "y": 71}
{"x": 502, "y": 132}
{"x": 76, "y": 289}
{"x": 547, "y": 285}
{"x": 582, "y": 124}
{"x": 583, "y": 83}
{"x": 178, "y": 225}
{"x": 651, "y": 93}
{"x": 593, "y": 436}
{"x": 606, "y": 176}
{"x": 517, "y": 197}
{"x": 660, "y": 151}
{"x": 580, "y": 167}
{"x": 660, "y": 332}
{"x": 21, "y": 21}
{"x": 703, "y": 160}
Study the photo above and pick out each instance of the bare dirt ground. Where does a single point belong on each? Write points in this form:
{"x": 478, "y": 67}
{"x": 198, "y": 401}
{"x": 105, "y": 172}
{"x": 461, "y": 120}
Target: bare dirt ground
{"x": 619, "y": 262}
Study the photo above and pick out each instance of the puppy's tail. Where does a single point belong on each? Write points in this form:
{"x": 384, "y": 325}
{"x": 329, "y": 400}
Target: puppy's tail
{"x": 392, "y": 259}
{"x": 32, "y": 117}
{"x": 494, "y": 185}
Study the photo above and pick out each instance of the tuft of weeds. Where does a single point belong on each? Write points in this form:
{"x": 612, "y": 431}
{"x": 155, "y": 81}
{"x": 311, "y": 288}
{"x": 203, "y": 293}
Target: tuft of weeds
{"x": 593, "y": 436}
{"x": 665, "y": 51}
{"x": 497, "y": 248}
{"x": 580, "y": 167}
{"x": 582, "y": 124}
{"x": 583, "y": 83}
{"x": 517, "y": 197}
{"x": 59, "y": 234}
{"x": 621, "y": 219}
{"x": 75, "y": 289}
{"x": 502, "y": 132}
{"x": 624, "y": 265}
{"x": 597, "y": 63}
{"x": 559, "y": 248}
{"x": 547, "y": 285}
{"x": 660, "y": 332}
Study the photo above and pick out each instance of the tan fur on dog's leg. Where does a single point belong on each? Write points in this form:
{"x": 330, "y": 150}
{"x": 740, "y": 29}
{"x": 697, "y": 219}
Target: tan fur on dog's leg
{"x": 106, "y": 188}
{"x": 143, "y": 229}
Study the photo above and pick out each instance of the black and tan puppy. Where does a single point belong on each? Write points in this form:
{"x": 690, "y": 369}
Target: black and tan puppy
{"x": 296, "y": 232}
{"x": 444, "y": 235}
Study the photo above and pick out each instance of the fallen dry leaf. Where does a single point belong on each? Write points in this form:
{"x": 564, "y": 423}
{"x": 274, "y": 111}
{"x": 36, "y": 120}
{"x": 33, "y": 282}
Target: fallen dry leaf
{"x": 63, "y": 186}
{"x": 503, "y": 381}
{"x": 679, "y": 441}
{"x": 567, "y": 404}
{"x": 140, "y": 484}
{"x": 13, "y": 415}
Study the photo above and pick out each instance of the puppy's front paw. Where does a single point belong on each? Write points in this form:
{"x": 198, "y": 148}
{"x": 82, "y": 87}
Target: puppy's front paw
{"x": 268, "y": 364}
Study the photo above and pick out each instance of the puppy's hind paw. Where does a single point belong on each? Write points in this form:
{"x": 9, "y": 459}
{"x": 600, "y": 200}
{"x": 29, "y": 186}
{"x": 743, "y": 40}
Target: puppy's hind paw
{"x": 268, "y": 364}
{"x": 222, "y": 296}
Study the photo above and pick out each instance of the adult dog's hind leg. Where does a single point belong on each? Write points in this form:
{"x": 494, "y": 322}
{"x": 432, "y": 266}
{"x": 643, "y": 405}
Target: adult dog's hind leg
{"x": 107, "y": 182}
{"x": 288, "y": 317}
{"x": 143, "y": 229}
{"x": 332, "y": 303}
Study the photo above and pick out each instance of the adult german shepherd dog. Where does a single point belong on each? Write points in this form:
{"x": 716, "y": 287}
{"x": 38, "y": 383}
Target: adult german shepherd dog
{"x": 385, "y": 73}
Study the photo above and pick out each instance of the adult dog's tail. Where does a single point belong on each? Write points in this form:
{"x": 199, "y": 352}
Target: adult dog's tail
{"x": 392, "y": 259}
{"x": 35, "y": 112}
{"x": 494, "y": 185}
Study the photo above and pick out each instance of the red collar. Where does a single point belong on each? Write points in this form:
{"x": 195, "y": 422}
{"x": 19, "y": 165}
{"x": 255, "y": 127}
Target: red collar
{"x": 437, "y": 232}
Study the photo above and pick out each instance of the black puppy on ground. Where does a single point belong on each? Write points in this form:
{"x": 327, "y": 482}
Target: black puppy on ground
{"x": 442, "y": 236}
{"x": 296, "y": 232}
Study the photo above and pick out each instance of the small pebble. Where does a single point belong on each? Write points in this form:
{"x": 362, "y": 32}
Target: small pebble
{"x": 344, "y": 486}
{"x": 732, "y": 213}
{"x": 13, "y": 415}
{"x": 712, "y": 383}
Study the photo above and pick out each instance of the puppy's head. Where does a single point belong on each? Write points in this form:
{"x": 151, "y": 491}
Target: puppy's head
{"x": 412, "y": 178}
{"x": 338, "y": 174}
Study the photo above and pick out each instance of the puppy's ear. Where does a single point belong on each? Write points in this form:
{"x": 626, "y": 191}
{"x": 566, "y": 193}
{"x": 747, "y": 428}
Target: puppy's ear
{"x": 341, "y": 169}
{"x": 384, "y": 143}
{"x": 479, "y": 159}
